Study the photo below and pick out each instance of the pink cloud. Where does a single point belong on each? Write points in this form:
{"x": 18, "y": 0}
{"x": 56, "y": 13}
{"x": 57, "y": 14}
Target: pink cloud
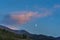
{"x": 23, "y": 17}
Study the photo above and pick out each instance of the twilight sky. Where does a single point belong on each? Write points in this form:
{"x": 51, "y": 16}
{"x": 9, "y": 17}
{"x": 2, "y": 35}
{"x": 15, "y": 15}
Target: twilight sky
{"x": 35, "y": 16}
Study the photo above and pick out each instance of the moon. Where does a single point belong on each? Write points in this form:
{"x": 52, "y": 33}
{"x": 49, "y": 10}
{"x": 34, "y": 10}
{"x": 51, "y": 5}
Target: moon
{"x": 36, "y": 25}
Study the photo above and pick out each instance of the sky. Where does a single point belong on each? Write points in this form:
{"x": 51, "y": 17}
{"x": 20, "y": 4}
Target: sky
{"x": 34, "y": 16}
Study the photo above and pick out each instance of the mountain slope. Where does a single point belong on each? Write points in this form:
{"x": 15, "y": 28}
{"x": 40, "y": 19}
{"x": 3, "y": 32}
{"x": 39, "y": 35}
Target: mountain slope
{"x": 8, "y": 34}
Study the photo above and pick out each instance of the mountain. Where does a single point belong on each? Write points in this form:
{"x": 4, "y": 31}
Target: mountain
{"x": 21, "y": 32}
{"x": 34, "y": 36}
{"x": 57, "y": 38}
{"x": 3, "y": 27}
{"x": 9, "y": 34}
{"x": 15, "y": 31}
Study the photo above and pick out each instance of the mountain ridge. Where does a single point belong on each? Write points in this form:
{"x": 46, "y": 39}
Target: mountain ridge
{"x": 22, "y": 35}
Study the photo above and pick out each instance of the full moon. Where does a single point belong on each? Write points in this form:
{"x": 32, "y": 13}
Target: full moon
{"x": 35, "y": 25}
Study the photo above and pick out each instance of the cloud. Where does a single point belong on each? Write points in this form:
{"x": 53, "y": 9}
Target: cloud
{"x": 24, "y": 17}
{"x": 15, "y": 19}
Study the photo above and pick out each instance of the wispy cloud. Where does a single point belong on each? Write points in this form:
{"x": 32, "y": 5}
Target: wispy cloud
{"x": 57, "y": 6}
{"x": 24, "y": 17}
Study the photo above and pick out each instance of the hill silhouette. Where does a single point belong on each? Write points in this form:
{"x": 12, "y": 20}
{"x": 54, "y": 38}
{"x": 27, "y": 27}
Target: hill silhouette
{"x": 9, "y": 34}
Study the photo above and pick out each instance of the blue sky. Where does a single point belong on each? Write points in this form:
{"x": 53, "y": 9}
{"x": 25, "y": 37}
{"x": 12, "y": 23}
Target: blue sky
{"x": 44, "y": 13}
